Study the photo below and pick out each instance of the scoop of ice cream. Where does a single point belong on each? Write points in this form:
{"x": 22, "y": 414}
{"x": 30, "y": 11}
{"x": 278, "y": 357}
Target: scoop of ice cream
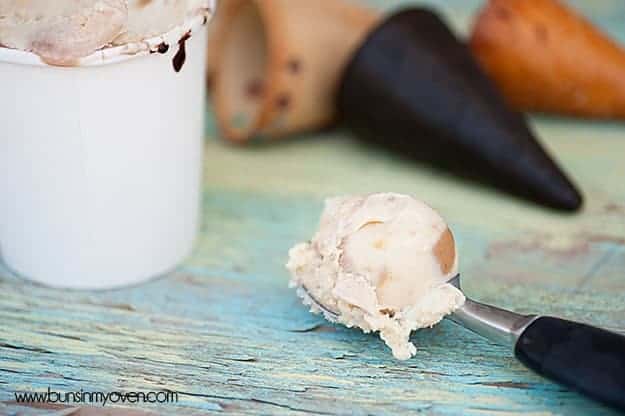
{"x": 62, "y": 31}
{"x": 149, "y": 18}
{"x": 382, "y": 263}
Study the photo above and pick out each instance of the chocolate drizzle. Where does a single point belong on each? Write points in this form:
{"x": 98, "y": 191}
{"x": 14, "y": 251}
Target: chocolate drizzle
{"x": 161, "y": 48}
{"x": 181, "y": 55}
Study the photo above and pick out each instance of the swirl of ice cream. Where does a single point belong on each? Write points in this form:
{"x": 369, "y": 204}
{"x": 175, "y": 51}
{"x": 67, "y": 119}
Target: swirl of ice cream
{"x": 382, "y": 263}
{"x": 63, "y": 31}
{"x": 148, "y": 18}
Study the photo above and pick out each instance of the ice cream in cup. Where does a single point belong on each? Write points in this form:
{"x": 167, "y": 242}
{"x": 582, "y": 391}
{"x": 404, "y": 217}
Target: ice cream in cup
{"x": 102, "y": 105}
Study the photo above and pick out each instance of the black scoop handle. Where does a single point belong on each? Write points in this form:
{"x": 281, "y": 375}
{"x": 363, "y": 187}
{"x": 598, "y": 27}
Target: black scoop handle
{"x": 581, "y": 357}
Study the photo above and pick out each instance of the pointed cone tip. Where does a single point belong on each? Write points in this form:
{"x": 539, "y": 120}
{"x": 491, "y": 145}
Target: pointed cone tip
{"x": 413, "y": 86}
{"x": 568, "y": 198}
{"x": 556, "y": 49}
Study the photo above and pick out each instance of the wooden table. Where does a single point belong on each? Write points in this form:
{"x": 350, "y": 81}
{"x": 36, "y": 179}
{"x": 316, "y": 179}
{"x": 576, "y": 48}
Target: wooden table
{"x": 226, "y": 333}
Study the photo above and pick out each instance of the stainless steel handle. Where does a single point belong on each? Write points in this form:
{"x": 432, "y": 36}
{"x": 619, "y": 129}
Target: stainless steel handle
{"x": 498, "y": 325}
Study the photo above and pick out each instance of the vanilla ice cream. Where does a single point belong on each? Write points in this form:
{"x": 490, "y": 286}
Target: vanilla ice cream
{"x": 63, "y": 31}
{"x": 380, "y": 262}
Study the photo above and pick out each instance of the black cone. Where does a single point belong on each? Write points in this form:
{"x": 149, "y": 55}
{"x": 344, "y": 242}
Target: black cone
{"x": 413, "y": 86}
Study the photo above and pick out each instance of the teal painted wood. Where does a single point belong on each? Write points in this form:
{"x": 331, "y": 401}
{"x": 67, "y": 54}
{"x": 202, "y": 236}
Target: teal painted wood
{"x": 227, "y": 334}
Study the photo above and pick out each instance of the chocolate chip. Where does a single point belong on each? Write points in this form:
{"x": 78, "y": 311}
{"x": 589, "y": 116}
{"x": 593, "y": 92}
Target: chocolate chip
{"x": 255, "y": 89}
{"x": 284, "y": 101}
{"x": 388, "y": 312}
{"x": 162, "y": 48}
{"x": 294, "y": 66}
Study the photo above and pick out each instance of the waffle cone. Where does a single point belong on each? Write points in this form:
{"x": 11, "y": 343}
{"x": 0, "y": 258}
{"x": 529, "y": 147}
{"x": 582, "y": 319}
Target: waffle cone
{"x": 277, "y": 64}
{"x": 547, "y": 58}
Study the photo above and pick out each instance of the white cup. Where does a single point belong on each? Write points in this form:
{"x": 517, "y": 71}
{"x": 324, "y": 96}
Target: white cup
{"x": 100, "y": 164}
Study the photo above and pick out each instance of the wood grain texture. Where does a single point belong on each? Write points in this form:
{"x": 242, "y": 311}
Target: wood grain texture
{"x": 227, "y": 334}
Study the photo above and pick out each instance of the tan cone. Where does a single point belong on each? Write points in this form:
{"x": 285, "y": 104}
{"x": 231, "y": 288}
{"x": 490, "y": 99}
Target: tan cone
{"x": 214, "y": 29}
{"x": 277, "y": 63}
{"x": 547, "y": 58}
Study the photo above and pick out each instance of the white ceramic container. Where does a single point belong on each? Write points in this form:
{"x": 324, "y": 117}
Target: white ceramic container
{"x": 100, "y": 163}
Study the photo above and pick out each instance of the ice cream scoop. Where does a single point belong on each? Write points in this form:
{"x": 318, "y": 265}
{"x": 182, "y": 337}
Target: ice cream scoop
{"x": 148, "y": 18}
{"x": 61, "y": 31}
{"x": 382, "y": 262}
{"x": 337, "y": 274}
